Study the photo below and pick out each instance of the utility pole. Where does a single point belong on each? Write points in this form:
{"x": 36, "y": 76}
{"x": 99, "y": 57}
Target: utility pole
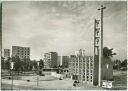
{"x": 37, "y": 73}
{"x": 12, "y": 66}
{"x": 101, "y": 45}
{"x": 0, "y": 30}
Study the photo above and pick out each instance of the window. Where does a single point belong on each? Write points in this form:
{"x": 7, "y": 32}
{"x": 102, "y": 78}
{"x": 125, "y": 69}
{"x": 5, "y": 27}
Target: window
{"x": 91, "y": 71}
{"x": 87, "y": 78}
{"x": 91, "y": 77}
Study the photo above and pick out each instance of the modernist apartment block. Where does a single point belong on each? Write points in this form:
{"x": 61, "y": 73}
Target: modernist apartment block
{"x": 47, "y": 60}
{"x": 51, "y": 60}
{"x": 65, "y": 61}
{"x": 21, "y": 52}
{"x": 72, "y": 65}
{"x": 6, "y": 53}
{"x": 81, "y": 67}
{"x": 59, "y": 60}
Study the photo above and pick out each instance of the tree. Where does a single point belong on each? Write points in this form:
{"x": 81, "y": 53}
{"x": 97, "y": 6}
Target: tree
{"x": 2, "y": 63}
{"x": 116, "y": 64}
{"x": 31, "y": 65}
{"x": 35, "y": 64}
{"x": 7, "y": 64}
{"x": 107, "y": 53}
{"x": 26, "y": 64}
{"x": 59, "y": 69}
{"x": 17, "y": 64}
{"x": 124, "y": 63}
{"x": 41, "y": 64}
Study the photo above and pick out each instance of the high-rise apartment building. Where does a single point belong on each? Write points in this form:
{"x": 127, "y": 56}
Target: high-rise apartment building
{"x": 65, "y": 61}
{"x": 85, "y": 69}
{"x": 51, "y": 60}
{"x": 6, "y": 53}
{"x": 59, "y": 60}
{"x": 21, "y": 52}
{"x": 72, "y": 65}
{"x": 47, "y": 60}
{"x": 81, "y": 67}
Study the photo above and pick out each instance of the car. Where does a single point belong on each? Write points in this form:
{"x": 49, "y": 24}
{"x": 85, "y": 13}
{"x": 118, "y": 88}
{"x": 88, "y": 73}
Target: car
{"x": 28, "y": 80}
{"x": 61, "y": 78}
{"x": 75, "y": 83}
{"x": 42, "y": 74}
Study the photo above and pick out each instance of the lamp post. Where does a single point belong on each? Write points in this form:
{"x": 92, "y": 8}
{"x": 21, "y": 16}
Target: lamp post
{"x": 37, "y": 73}
{"x": 12, "y": 65}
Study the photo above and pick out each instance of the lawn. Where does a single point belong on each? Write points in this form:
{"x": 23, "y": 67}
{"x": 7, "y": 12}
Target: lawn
{"x": 120, "y": 80}
{"x": 48, "y": 82}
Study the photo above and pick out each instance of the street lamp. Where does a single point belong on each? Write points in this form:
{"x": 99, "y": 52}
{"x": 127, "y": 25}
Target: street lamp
{"x": 12, "y": 65}
{"x": 37, "y": 73}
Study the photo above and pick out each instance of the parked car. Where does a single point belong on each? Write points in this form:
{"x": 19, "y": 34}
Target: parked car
{"x": 42, "y": 74}
{"x": 75, "y": 83}
{"x": 61, "y": 78}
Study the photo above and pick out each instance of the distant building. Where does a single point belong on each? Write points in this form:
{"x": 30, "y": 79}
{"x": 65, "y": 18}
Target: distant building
{"x": 65, "y": 61}
{"x": 21, "y": 52}
{"x": 47, "y": 60}
{"x": 51, "y": 60}
{"x": 59, "y": 60}
{"x": 6, "y": 53}
{"x": 72, "y": 64}
{"x": 81, "y": 67}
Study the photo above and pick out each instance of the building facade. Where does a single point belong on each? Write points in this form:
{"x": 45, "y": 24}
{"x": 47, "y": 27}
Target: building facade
{"x": 59, "y": 60}
{"x": 51, "y": 60}
{"x": 65, "y": 61}
{"x": 47, "y": 60}
{"x": 21, "y": 52}
{"x": 6, "y": 53}
{"x": 85, "y": 69}
{"x": 72, "y": 65}
{"x": 81, "y": 67}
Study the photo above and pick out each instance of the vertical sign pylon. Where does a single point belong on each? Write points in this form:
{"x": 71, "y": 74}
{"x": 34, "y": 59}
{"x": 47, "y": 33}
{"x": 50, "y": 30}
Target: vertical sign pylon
{"x": 101, "y": 45}
{"x": 96, "y": 50}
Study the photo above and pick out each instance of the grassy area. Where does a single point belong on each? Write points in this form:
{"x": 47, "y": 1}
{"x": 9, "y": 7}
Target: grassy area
{"x": 48, "y": 82}
{"x": 120, "y": 80}
{"x": 18, "y": 87}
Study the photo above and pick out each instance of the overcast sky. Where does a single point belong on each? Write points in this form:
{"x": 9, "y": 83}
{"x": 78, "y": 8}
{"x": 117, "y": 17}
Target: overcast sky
{"x": 63, "y": 27}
